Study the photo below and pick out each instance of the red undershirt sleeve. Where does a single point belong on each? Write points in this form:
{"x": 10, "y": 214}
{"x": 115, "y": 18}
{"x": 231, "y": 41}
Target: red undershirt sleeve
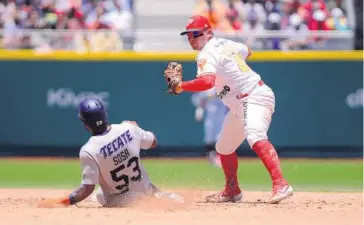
{"x": 202, "y": 83}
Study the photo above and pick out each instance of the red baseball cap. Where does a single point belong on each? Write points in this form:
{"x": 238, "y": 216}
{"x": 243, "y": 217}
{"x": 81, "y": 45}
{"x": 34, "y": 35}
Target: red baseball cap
{"x": 196, "y": 23}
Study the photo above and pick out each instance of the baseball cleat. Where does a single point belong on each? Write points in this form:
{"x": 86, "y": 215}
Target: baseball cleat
{"x": 281, "y": 193}
{"x": 222, "y": 197}
{"x": 94, "y": 198}
{"x": 172, "y": 196}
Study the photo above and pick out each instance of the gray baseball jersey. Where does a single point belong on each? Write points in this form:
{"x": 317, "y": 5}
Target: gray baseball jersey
{"x": 112, "y": 159}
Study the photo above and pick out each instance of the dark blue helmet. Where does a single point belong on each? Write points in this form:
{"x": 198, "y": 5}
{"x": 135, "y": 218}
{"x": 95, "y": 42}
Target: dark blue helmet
{"x": 93, "y": 114}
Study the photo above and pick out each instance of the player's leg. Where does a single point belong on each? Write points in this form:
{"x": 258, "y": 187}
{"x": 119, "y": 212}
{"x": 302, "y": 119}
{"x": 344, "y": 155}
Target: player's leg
{"x": 231, "y": 137}
{"x": 101, "y": 198}
{"x": 146, "y": 188}
{"x": 118, "y": 200}
{"x": 158, "y": 193}
{"x": 257, "y": 119}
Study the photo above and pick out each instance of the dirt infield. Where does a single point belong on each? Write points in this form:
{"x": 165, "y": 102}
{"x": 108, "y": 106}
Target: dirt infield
{"x": 18, "y": 207}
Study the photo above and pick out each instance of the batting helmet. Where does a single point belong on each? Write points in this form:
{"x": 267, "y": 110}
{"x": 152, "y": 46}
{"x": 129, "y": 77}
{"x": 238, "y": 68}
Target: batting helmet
{"x": 93, "y": 114}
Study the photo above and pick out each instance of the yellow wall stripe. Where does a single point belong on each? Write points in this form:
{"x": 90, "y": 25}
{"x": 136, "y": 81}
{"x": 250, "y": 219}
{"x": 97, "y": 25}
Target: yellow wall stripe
{"x": 259, "y": 56}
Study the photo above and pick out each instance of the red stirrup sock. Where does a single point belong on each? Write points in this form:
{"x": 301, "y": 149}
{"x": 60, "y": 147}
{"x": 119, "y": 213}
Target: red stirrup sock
{"x": 267, "y": 153}
{"x": 229, "y": 164}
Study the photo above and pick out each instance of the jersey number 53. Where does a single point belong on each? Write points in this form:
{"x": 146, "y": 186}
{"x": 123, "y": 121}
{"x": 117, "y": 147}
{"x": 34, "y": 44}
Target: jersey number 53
{"x": 117, "y": 176}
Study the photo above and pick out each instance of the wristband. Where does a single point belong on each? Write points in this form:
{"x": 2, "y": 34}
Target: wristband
{"x": 72, "y": 199}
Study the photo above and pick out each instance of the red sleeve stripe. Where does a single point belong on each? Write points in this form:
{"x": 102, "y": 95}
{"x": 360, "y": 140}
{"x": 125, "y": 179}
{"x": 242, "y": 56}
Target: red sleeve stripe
{"x": 202, "y": 83}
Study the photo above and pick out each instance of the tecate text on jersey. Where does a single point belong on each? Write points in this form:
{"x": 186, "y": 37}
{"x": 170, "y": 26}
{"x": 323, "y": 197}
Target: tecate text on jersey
{"x": 116, "y": 144}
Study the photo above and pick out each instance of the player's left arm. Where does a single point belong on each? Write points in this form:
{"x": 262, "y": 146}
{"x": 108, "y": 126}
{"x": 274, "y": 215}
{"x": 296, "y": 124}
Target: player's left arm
{"x": 148, "y": 138}
{"x": 90, "y": 175}
{"x": 249, "y": 52}
{"x": 245, "y": 51}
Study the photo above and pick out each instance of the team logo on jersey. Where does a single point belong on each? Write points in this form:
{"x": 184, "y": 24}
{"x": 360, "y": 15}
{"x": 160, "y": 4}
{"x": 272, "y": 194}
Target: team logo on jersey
{"x": 201, "y": 63}
{"x": 224, "y": 92}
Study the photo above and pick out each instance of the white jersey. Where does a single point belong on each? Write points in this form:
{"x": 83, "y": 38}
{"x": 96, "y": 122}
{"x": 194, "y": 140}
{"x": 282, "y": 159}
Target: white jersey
{"x": 112, "y": 159}
{"x": 226, "y": 59}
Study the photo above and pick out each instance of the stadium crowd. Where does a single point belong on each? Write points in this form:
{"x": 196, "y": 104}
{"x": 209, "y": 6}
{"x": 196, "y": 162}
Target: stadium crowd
{"x": 18, "y": 15}
{"x": 66, "y": 14}
{"x": 254, "y": 17}
{"x": 249, "y": 18}
{"x": 250, "y": 15}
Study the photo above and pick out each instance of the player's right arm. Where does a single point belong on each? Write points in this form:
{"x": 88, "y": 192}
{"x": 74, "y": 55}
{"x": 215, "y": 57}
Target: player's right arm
{"x": 147, "y": 138}
{"x": 206, "y": 75}
{"x": 90, "y": 177}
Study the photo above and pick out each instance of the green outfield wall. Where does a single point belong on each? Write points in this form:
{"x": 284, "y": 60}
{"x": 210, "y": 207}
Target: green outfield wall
{"x": 319, "y": 100}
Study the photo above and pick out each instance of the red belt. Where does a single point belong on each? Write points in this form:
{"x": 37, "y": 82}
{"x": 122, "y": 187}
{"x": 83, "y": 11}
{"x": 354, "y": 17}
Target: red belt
{"x": 243, "y": 95}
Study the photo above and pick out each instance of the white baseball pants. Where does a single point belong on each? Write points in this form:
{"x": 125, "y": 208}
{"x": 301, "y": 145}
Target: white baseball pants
{"x": 249, "y": 119}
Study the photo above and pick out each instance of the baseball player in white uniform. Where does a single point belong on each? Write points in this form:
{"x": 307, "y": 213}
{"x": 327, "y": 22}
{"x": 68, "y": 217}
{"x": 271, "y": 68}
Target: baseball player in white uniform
{"x": 222, "y": 64}
{"x": 111, "y": 159}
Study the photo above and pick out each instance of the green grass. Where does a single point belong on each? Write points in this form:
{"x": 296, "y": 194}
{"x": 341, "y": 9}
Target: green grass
{"x": 304, "y": 175}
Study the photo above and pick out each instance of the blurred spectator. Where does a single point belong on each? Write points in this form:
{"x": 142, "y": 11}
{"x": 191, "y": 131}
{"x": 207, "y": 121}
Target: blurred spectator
{"x": 33, "y": 21}
{"x": 331, "y": 4}
{"x": 119, "y": 18}
{"x": 94, "y": 20}
{"x": 274, "y": 21}
{"x": 296, "y": 6}
{"x": 253, "y": 27}
{"x": 49, "y": 15}
{"x": 222, "y": 17}
{"x": 298, "y": 34}
{"x": 317, "y": 21}
{"x": 286, "y": 11}
{"x": 214, "y": 11}
{"x": 253, "y": 6}
{"x": 271, "y": 6}
{"x": 238, "y": 5}
{"x": 74, "y": 24}
{"x": 337, "y": 20}
{"x": 232, "y": 16}
{"x": 273, "y": 24}
{"x": 310, "y": 7}
{"x": 127, "y": 5}
{"x": 72, "y": 18}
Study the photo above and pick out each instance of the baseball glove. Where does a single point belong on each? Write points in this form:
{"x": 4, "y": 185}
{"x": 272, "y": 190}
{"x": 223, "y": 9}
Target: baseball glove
{"x": 173, "y": 76}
